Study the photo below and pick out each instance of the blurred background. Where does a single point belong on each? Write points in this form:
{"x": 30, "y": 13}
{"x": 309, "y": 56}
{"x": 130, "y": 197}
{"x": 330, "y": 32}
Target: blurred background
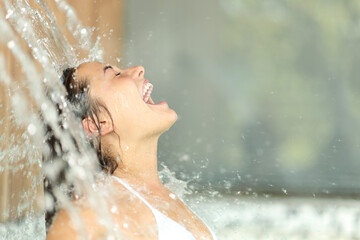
{"x": 267, "y": 94}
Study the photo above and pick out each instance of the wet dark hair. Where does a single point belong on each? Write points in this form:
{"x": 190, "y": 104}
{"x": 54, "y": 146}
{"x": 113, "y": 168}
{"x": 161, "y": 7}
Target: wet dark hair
{"x": 83, "y": 106}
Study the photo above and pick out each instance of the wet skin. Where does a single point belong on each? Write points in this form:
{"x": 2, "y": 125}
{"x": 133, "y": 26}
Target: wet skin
{"x": 131, "y": 134}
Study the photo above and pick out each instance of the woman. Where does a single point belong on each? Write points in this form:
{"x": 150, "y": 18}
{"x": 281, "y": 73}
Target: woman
{"x": 116, "y": 107}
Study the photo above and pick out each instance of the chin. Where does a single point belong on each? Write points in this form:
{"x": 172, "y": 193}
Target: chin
{"x": 171, "y": 119}
{"x": 174, "y": 117}
{"x": 161, "y": 122}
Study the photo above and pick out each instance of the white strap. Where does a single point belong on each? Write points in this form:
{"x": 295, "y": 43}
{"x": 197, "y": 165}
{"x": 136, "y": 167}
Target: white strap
{"x": 127, "y": 186}
{"x": 162, "y": 220}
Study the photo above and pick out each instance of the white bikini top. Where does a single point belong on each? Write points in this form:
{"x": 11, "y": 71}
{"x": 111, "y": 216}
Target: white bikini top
{"x": 167, "y": 228}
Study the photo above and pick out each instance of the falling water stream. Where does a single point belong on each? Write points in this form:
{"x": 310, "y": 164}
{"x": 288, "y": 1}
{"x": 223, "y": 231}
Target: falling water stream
{"x": 28, "y": 25}
{"x": 34, "y": 104}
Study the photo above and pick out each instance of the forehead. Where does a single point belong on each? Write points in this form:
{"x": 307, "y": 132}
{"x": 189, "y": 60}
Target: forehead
{"x": 91, "y": 70}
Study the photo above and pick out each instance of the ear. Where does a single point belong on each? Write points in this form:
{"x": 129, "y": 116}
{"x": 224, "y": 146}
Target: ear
{"x": 91, "y": 128}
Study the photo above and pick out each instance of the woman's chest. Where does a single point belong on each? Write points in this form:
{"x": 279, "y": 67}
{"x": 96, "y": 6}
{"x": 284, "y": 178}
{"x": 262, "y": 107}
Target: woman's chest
{"x": 176, "y": 210}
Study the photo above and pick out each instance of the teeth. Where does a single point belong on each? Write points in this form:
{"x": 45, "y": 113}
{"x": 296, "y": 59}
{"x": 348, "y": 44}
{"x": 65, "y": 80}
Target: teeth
{"x": 147, "y": 91}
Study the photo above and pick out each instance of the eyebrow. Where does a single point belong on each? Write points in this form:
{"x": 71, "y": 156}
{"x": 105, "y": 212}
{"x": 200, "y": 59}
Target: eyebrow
{"x": 106, "y": 67}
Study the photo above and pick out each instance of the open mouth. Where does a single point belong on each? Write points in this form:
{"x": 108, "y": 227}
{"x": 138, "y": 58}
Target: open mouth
{"x": 146, "y": 92}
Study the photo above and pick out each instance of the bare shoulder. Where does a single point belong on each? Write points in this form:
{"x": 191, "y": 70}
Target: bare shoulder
{"x": 66, "y": 227}
{"x": 132, "y": 215}
{"x": 61, "y": 228}
{"x": 131, "y": 219}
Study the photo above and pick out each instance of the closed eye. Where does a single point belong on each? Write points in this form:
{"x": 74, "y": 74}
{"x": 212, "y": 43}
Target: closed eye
{"x": 107, "y": 67}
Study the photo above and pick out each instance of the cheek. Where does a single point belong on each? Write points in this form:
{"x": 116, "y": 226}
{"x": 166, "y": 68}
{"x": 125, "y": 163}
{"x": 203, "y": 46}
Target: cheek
{"x": 121, "y": 101}
{"x": 125, "y": 105}
{"x": 123, "y": 95}
{"x": 120, "y": 104}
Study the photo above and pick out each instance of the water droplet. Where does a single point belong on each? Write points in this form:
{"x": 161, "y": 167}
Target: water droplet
{"x": 11, "y": 44}
{"x": 184, "y": 158}
{"x": 113, "y": 209}
{"x": 9, "y": 13}
{"x": 43, "y": 106}
{"x": 227, "y": 185}
{"x": 150, "y": 35}
{"x": 31, "y": 129}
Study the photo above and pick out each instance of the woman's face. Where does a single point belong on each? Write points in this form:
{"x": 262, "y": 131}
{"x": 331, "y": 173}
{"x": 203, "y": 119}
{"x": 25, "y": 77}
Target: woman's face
{"x": 122, "y": 91}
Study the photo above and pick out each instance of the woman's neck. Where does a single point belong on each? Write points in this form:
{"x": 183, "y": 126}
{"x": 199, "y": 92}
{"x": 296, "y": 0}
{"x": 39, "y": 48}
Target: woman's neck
{"x": 138, "y": 162}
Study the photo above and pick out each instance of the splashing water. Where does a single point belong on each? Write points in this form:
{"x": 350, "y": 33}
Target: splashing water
{"x": 30, "y": 26}
{"x": 34, "y": 100}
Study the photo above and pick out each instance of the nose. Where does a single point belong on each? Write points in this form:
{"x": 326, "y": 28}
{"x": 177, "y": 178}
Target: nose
{"x": 137, "y": 72}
